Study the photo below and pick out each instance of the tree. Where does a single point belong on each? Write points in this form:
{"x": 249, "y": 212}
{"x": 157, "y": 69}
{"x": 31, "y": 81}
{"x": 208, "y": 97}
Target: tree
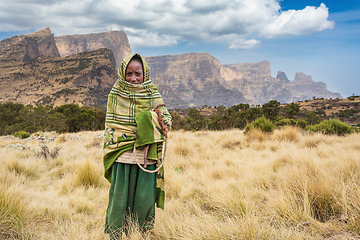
{"x": 196, "y": 121}
{"x": 271, "y": 109}
{"x": 177, "y": 121}
{"x": 292, "y": 110}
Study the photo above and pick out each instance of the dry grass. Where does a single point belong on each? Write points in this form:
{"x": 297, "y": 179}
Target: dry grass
{"x": 219, "y": 185}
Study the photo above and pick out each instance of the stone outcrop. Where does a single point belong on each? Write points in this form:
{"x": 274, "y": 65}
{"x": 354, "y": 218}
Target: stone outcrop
{"x": 196, "y": 79}
{"x": 24, "y": 48}
{"x": 32, "y": 72}
{"x": 116, "y": 41}
{"x": 282, "y": 77}
{"x": 191, "y": 80}
{"x": 258, "y": 86}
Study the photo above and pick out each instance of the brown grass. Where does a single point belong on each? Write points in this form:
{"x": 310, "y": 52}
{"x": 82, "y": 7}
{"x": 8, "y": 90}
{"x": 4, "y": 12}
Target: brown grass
{"x": 219, "y": 185}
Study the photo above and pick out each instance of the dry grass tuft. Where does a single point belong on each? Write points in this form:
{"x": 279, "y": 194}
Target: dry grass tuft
{"x": 61, "y": 139}
{"x": 256, "y": 135}
{"x": 313, "y": 140}
{"x": 87, "y": 174}
{"x": 287, "y": 133}
{"x": 14, "y": 215}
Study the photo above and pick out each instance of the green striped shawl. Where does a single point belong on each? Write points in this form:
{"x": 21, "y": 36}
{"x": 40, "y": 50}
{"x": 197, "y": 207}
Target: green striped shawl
{"x": 125, "y": 102}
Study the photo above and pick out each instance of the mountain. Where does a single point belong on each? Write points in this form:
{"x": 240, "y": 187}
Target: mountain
{"x": 196, "y": 79}
{"x": 192, "y": 80}
{"x": 116, "y": 41}
{"x": 32, "y": 72}
{"x": 39, "y": 68}
{"x": 259, "y": 86}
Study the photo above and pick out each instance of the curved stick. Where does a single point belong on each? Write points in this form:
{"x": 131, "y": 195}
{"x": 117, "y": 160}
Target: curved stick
{"x": 150, "y": 171}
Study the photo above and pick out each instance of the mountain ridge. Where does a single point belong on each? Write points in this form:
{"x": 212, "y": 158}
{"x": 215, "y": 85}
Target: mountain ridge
{"x": 39, "y": 68}
{"x": 32, "y": 72}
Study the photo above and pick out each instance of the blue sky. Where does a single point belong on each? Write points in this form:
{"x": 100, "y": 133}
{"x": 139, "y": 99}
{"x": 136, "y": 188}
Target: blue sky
{"x": 318, "y": 38}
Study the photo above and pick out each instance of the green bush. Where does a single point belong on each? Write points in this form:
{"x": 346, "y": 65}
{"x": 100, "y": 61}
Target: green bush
{"x": 302, "y": 123}
{"x": 22, "y": 134}
{"x": 286, "y": 122}
{"x": 261, "y": 123}
{"x": 332, "y": 126}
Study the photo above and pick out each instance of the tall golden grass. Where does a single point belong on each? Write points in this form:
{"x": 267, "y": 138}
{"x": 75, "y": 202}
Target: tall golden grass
{"x": 219, "y": 185}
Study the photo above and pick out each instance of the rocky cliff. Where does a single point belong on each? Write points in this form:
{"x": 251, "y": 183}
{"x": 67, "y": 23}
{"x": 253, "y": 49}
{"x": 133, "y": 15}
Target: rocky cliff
{"x": 38, "y": 68}
{"x": 192, "y": 79}
{"x": 259, "y": 86}
{"x": 196, "y": 79}
{"x": 116, "y": 41}
{"x": 32, "y": 72}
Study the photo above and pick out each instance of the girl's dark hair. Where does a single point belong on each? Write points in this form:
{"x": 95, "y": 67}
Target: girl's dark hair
{"x": 137, "y": 57}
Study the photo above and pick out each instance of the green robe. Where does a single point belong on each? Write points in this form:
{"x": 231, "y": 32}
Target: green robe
{"x": 132, "y": 194}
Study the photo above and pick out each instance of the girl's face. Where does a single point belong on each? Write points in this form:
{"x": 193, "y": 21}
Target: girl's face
{"x": 134, "y": 73}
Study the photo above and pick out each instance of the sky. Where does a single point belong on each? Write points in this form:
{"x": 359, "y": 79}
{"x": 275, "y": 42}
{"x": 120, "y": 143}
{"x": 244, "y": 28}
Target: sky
{"x": 318, "y": 38}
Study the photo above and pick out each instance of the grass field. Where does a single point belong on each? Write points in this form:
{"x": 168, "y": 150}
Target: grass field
{"x": 219, "y": 185}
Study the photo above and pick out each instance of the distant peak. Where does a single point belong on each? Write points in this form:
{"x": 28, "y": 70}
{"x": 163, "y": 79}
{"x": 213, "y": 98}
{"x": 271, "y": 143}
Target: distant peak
{"x": 282, "y": 76}
{"x": 45, "y": 30}
{"x": 299, "y": 76}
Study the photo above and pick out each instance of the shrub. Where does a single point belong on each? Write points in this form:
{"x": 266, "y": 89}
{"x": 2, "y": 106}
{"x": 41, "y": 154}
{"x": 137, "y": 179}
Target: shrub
{"x": 22, "y": 134}
{"x": 261, "y": 123}
{"x": 48, "y": 154}
{"x": 332, "y": 126}
{"x": 286, "y": 122}
{"x": 302, "y": 123}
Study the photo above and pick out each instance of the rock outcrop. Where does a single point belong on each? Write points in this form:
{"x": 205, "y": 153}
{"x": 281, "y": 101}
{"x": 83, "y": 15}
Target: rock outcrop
{"x": 196, "y": 79}
{"x": 258, "y": 86}
{"x": 192, "y": 80}
{"x": 116, "y": 41}
{"x": 282, "y": 77}
{"x": 32, "y": 72}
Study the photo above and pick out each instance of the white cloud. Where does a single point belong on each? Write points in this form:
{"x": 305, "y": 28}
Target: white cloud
{"x": 308, "y": 20}
{"x": 165, "y": 22}
{"x": 245, "y": 44}
{"x": 149, "y": 39}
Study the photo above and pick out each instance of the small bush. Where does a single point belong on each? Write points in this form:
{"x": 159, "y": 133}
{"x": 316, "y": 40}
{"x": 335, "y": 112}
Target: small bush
{"x": 286, "y": 122}
{"x": 261, "y": 123}
{"x": 46, "y": 153}
{"x": 302, "y": 123}
{"x": 332, "y": 126}
{"x": 21, "y": 134}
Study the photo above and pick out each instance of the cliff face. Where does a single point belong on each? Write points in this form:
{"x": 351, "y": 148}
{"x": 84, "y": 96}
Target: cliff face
{"x": 32, "y": 72}
{"x": 259, "y": 86}
{"x": 116, "y": 41}
{"x": 196, "y": 79}
{"x": 24, "y": 48}
{"x": 193, "y": 79}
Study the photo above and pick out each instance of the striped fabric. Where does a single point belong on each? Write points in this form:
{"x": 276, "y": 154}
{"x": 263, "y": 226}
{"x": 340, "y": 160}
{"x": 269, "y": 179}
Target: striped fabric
{"x": 128, "y": 157}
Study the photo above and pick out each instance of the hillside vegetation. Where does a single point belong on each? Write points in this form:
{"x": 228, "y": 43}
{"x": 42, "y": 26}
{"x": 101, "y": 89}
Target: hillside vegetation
{"x": 21, "y": 120}
{"x": 302, "y": 114}
{"x": 219, "y": 185}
